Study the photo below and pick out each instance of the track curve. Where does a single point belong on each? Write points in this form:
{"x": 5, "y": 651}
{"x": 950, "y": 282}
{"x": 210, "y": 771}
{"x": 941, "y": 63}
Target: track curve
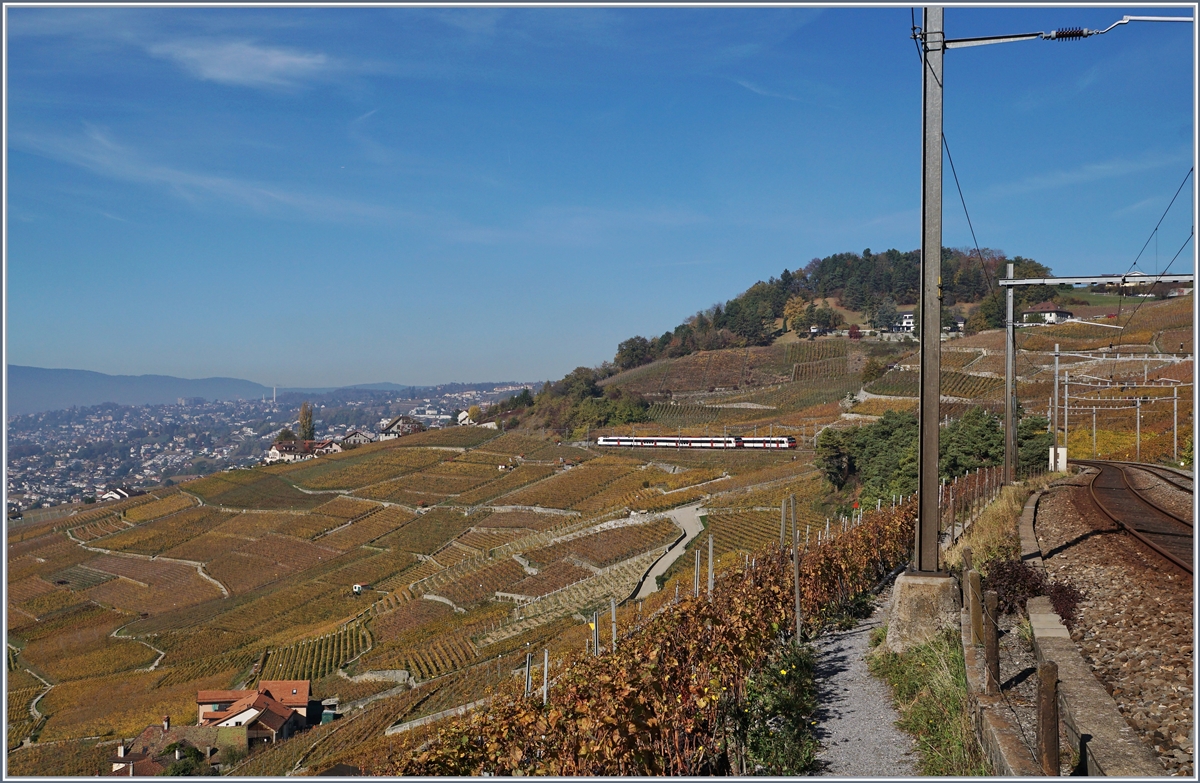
{"x": 1115, "y": 497}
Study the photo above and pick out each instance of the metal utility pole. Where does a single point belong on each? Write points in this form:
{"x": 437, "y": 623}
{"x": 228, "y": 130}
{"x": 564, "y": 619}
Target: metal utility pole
{"x": 933, "y": 49}
{"x": 1054, "y": 407}
{"x": 1067, "y": 412}
{"x": 1139, "y": 429}
{"x": 1010, "y": 391}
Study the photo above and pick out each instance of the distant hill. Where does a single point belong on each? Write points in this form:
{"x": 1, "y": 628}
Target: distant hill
{"x": 36, "y": 389}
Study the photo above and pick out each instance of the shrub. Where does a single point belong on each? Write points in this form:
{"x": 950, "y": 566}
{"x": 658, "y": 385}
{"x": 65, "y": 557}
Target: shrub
{"x": 1065, "y": 600}
{"x": 1014, "y": 583}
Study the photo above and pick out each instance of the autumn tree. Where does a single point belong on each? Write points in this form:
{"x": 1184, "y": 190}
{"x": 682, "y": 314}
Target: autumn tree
{"x": 307, "y": 432}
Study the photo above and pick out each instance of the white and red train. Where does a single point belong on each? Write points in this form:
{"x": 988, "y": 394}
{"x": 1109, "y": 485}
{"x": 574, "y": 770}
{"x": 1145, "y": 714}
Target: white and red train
{"x": 629, "y": 442}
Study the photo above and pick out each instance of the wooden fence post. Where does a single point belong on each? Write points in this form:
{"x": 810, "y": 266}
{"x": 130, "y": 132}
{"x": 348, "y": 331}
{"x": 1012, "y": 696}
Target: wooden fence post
{"x": 976, "y": 607}
{"x": 991, "y": 642}
{"x": 796, "y": 579}
{"x": 1048, "y": 717}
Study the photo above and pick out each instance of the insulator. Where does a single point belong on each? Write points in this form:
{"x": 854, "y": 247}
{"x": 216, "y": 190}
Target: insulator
{"x": 1071, "y": 32}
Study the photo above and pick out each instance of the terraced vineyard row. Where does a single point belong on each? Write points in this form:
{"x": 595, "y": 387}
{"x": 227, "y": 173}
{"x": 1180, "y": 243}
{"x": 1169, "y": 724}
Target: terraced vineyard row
{"x": 364, "y": 726}
{"x": 360, "y": 467}
{"x": 570, "y": 487}
{"x": 160, "y": 508}
{"x": 899, "y": 383}
{"x": 315, "y": 658}
{"x": 105, "y": 526}
{"x": 616, "y": 582}
{"x": 481, "y": 585}
{"x": 800, "y": 395}
{"x": 744, "y": 531}
{"x": 436, "y": 657}
{"x": 190, "y": 671}
{"x": 257, "y": 488}
{"x": 609, "y": 546}
{"x": 820, "y": 370}
{"x": 815, "y": 350}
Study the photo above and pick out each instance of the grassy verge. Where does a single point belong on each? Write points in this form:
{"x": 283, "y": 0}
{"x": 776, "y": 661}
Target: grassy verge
{"x": 994, "y": 535}
{"x": 929, "y": 689}
{"x": 776, "y": 719}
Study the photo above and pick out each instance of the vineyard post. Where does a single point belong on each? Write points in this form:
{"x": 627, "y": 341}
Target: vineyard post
{"x": 613, "y": 602}
{"x": 1093, "y": 433}
{"x": 545, "y": 676}
{"x": 796, "y": 579}
{"x": 596, "y": 633}
{"x": 710, "y": 567}
{"x": 696, "y": 576}
{"x": 1175, "y": 424}
{"x": 528, "y": 671}
{"x": 782, "y": 520}
{"x": 792, "y": 504}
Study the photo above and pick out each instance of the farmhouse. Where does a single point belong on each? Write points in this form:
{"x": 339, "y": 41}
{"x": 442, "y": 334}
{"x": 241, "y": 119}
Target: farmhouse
{"x": 276, "y": 710}
{"x": 1046, "y": 312}
{"x": 401, "y": 425}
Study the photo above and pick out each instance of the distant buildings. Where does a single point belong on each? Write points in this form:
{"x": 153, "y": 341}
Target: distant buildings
{"x": 1045, "y": 313}
{"x": 295, "y": 450}
{"x": 400, "y": 426}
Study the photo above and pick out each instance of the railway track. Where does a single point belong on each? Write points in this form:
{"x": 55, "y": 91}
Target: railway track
{"x": 1115, "y": 496}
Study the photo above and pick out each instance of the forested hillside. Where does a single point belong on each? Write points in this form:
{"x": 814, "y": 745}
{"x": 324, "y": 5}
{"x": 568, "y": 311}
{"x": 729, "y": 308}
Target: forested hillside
{"x": 873, "y": 284}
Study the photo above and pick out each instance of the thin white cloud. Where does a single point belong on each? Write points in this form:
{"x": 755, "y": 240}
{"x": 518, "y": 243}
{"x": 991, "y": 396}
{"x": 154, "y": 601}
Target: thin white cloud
{"x": 98, "y": 153}
{"x": 1087, "y": 172}
{"x": 574, "y": 226}
{"x": 243, "y": 63}
{"x": 1138, "y": 207}
{"x": 754, "y": 88}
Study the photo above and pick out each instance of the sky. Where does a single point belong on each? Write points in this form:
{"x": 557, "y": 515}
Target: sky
{"x": 329, "y": 196}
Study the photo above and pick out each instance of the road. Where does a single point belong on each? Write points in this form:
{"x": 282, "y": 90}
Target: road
{"x": 688, "y": 519}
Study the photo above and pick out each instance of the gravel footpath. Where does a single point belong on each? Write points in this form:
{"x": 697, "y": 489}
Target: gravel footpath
{"x": 1135, "y": 626}
{"x": 856, "y": 721}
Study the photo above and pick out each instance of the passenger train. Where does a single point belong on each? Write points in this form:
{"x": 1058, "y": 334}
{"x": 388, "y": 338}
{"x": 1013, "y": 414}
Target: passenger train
{"x": 788, "y": 442}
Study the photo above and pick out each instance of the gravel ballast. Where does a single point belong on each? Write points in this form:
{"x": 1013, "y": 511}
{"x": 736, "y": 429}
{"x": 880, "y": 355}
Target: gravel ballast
{"x": 1135, "y": 624}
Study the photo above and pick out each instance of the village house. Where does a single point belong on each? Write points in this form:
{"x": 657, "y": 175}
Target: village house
{"x": 401, "y": 425}
{"x": 326, "y": 447}
{"x": 356, "y": 438}
{"x": 1046, "y": 313}
{"x": 159, "y": 745}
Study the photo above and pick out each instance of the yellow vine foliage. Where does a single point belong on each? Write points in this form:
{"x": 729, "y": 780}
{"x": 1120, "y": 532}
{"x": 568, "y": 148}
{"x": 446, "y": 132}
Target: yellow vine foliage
{"x": 655, "y": 706}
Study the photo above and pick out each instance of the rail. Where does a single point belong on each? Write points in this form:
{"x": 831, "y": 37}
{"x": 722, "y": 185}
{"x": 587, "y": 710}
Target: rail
{"x": 1160, "y": 530}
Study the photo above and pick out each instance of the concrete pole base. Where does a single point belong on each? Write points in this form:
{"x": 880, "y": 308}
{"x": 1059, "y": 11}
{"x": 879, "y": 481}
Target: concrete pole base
{"x": 922, "y": 605}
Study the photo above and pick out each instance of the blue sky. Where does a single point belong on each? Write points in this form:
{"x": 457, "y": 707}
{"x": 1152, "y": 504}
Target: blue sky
{"x": 310, "y": 197}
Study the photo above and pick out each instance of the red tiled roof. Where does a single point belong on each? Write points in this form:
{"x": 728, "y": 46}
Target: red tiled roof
{"x": 1045, "y": 307}
{"x": 292, "y": 693}
{"x": 217, "y": 697}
